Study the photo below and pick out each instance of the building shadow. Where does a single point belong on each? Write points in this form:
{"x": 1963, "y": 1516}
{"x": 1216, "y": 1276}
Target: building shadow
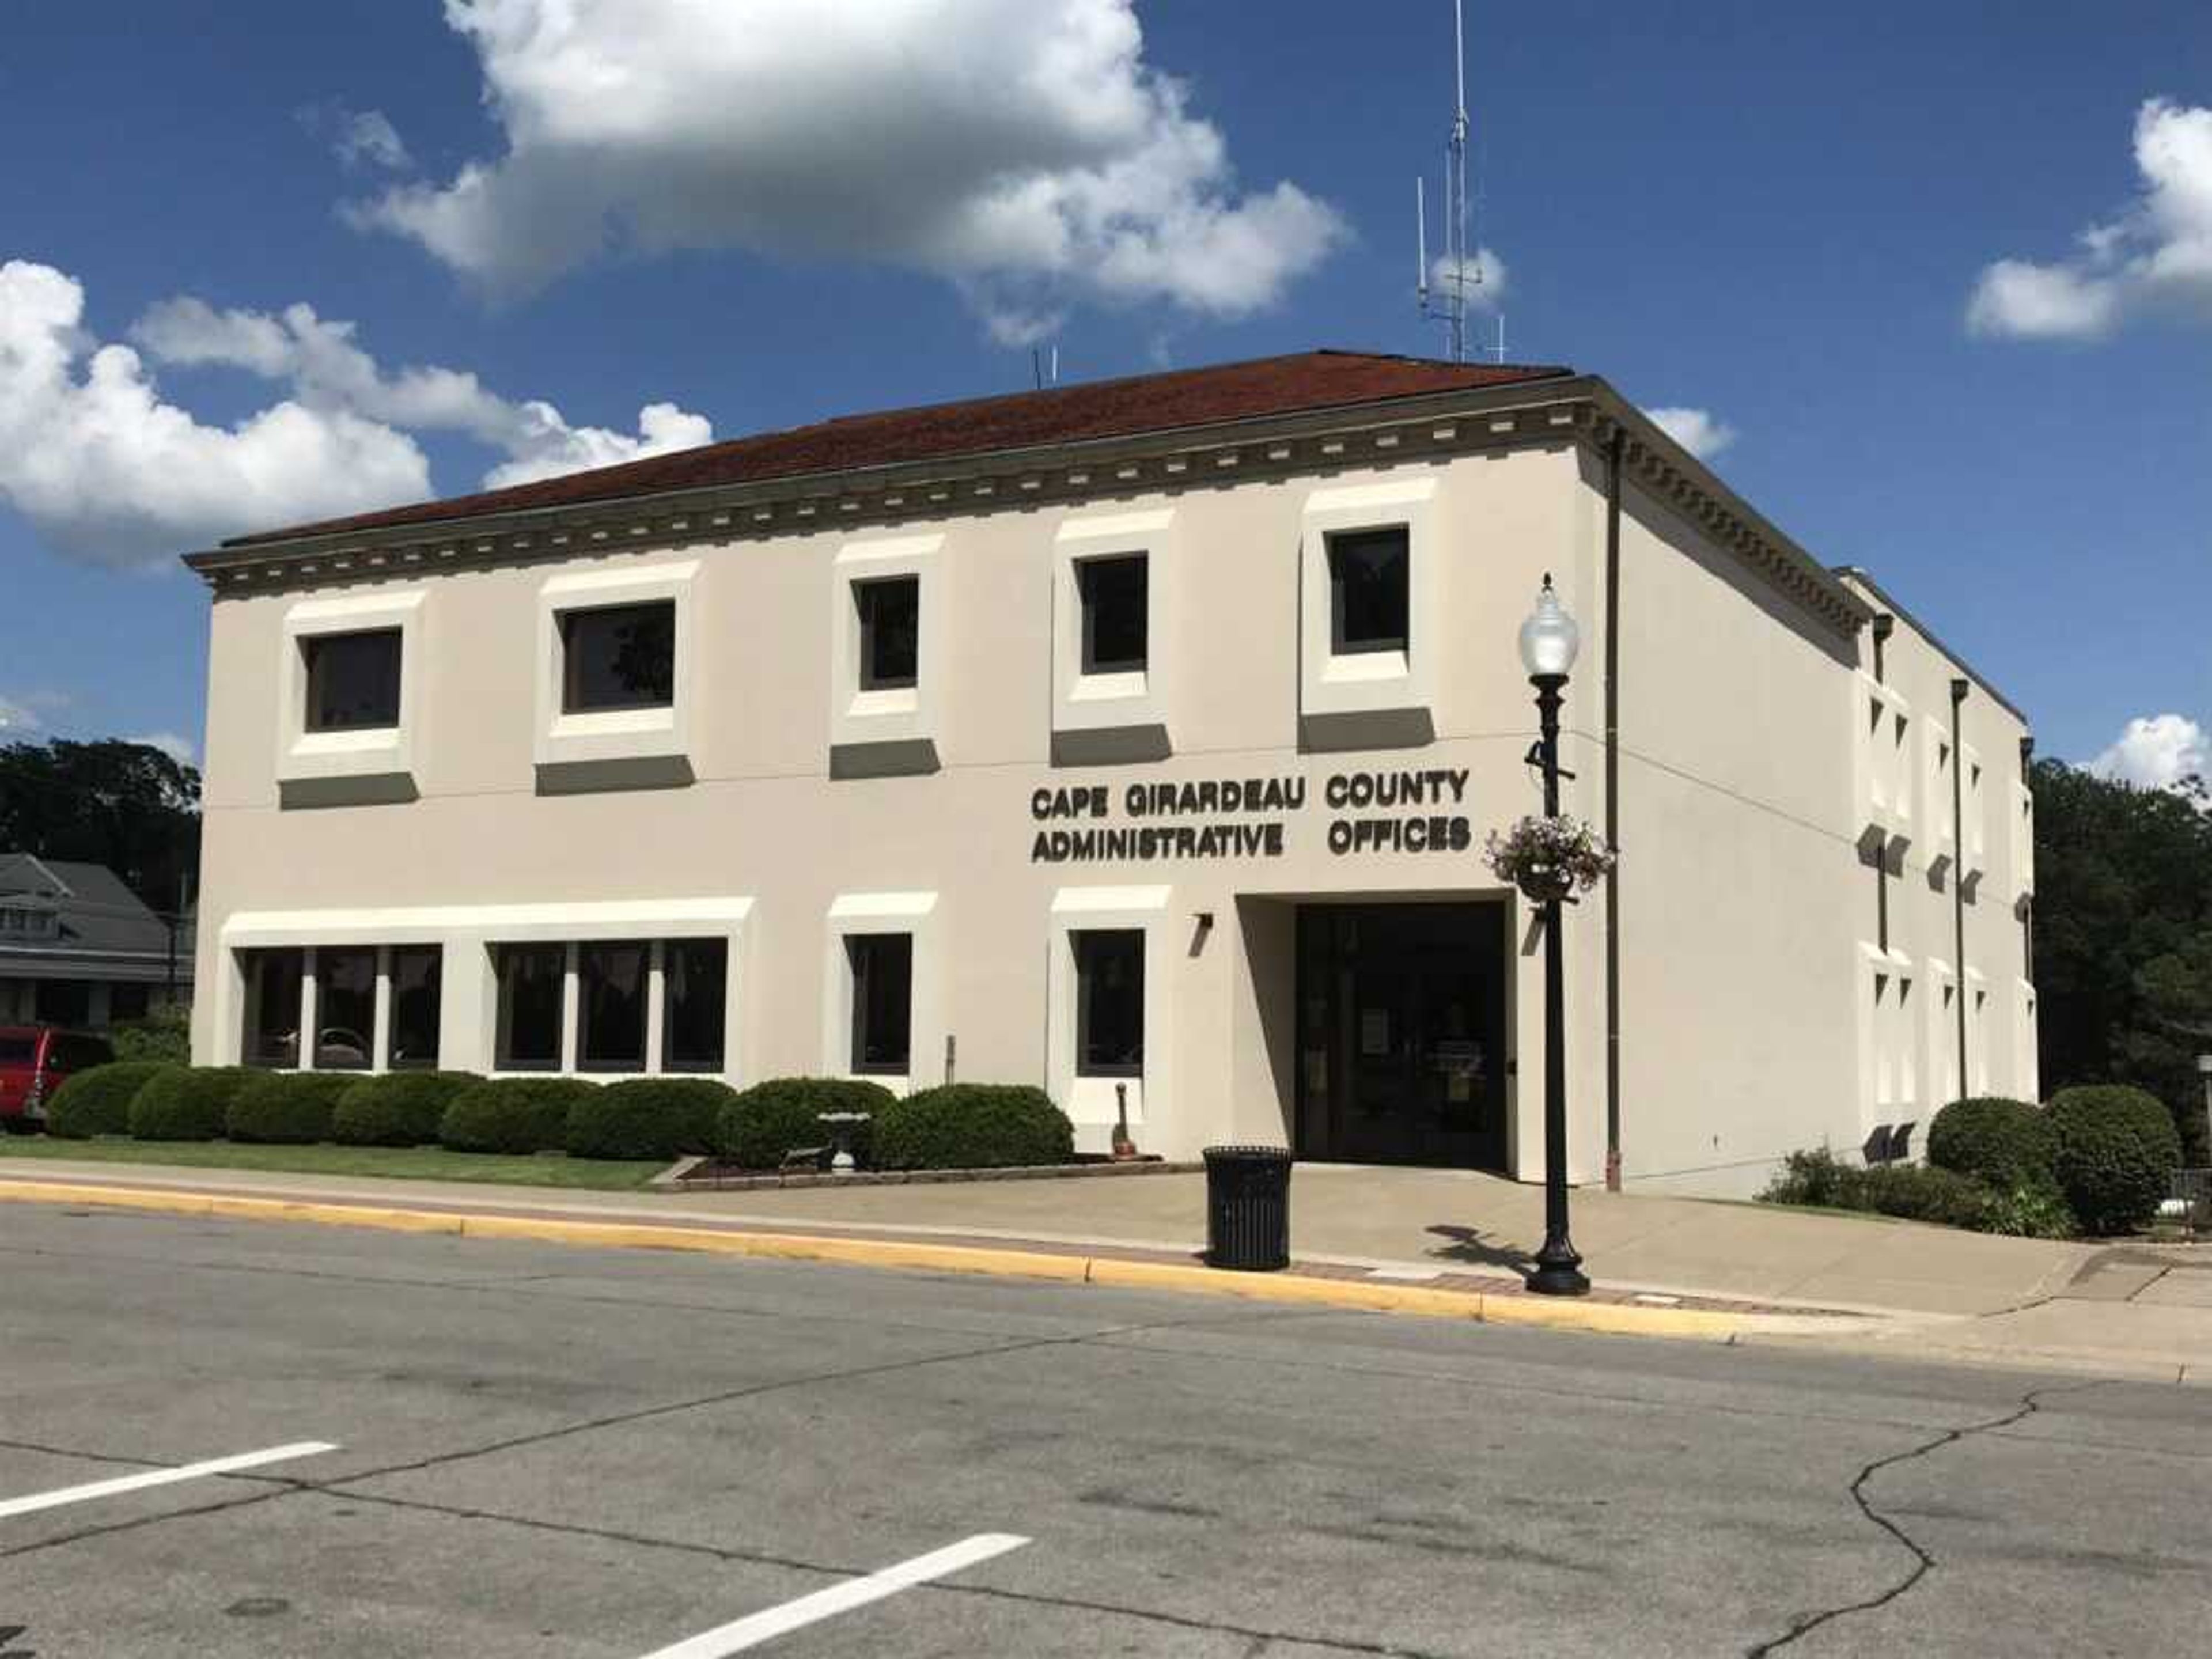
{"x": 1467, "y": 1244}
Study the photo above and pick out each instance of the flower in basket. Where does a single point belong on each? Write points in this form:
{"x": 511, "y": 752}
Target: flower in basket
{"x": 1549, "y": 858}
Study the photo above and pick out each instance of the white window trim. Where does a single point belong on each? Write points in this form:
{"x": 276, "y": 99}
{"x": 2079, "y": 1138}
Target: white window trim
{"x": 912, "y": 714}
{"x": 1100, "y": 703}
{"x": 384, "y": 751}
{"x": 1370, "y": 682}
{"x": 921, "y": 915}
{"x": 468, "y": 1031}
{"x": 1884, "y": 760}
{"x": 1089, "y": 1102}
{"x": 622, "y": 734}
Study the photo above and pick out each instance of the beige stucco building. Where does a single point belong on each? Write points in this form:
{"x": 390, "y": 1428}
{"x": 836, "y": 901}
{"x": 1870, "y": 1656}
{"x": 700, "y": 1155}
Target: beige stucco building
{"x": 1138, "y": 739}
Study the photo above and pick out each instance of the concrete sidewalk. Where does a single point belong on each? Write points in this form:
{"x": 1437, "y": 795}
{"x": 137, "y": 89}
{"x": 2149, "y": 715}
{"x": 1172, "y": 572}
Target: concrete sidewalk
{"x": 1934, "y": 1292}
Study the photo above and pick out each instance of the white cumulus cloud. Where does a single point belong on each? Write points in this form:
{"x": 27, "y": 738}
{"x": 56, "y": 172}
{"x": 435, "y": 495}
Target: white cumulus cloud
{"x": 1023, "y": 149}
{"x": 2157, "y": 255}
{"x": 358, "y": 138}
{"x": 2158, "y": 751}
{"x": 107, "y": 470}
{"x": 1486, "y": 279}
{"x": 1704, "y": 433}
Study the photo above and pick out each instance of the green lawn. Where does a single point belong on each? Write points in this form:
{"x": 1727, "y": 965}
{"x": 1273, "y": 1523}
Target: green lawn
{"x": 409, "y": 1163}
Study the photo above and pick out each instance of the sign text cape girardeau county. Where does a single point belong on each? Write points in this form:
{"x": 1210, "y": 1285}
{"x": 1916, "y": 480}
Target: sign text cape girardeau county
{"x": 1393, "y": 811}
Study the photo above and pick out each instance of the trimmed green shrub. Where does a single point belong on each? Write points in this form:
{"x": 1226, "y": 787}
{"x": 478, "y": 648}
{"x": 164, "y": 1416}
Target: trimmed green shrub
{"x": 1911, "y": 1192}
{"x": 187, "y": 1102}
{"x": 972, "y": 1126}
{"x": 513, "y": 1114}
{"x": 98, "y": 1102}
{"x": 770, "y": 1119}
{"x": 2006, "y": 1143}
{"x": 397, "y": 1108}
{"x": 286, "y": 1109}
{"x": 2117, "y": 1154}
{"x": 661, "y": 1117}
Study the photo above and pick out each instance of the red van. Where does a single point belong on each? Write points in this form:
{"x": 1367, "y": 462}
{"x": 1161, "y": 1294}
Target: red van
{"x": 33, "y": 1061}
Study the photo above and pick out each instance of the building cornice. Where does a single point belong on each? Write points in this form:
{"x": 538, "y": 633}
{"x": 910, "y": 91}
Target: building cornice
{"x": 1577, "y": 408}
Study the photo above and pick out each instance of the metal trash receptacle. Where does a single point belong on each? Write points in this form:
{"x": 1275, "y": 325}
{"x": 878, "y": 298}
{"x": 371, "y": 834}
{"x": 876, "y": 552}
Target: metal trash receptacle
{"x": 1248, "y": 1208}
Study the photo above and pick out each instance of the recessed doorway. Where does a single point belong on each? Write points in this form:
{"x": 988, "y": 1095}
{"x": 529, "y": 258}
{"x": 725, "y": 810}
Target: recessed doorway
{"x": 1402, "y": 1034}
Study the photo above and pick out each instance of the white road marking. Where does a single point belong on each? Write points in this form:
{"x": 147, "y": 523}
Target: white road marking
{"x": 766, "y": 1627}
{"x": 255, "y": 1460}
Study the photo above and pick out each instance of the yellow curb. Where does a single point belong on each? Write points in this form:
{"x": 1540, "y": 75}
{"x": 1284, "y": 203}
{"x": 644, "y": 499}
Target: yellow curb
{"x": 1113, "y": 1271}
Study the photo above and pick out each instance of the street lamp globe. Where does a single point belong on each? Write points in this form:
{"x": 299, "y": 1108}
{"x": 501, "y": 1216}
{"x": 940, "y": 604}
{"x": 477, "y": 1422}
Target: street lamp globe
{"x": 1549, "y": 639}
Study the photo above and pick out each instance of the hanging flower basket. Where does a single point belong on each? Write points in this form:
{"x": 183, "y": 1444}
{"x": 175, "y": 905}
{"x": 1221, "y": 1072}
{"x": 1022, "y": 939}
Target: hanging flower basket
{"x": 1549, "y": 858}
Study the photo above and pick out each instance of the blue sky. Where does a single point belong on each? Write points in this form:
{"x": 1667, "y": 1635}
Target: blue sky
{"x": 1779, "y": 215}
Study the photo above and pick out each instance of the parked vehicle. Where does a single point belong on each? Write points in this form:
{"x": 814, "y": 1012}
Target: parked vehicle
{"x": 35, "y": 1061}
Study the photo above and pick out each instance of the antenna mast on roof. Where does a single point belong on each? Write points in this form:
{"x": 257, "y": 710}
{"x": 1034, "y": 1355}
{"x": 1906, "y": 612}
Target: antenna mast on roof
{"x": 1460, "y": 275}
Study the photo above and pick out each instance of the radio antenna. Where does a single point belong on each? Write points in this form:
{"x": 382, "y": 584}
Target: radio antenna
{"x": 1448, "y": 295}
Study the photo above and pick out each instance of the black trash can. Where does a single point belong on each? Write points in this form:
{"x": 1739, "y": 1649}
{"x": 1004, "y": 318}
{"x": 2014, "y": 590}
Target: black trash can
{"x": 1248, "y": 1208}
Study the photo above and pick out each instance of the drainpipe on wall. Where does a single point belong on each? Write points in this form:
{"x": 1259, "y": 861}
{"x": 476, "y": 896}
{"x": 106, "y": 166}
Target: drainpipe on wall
{"x": 1613, "y": 809}
{"x": 1959, "y": 863}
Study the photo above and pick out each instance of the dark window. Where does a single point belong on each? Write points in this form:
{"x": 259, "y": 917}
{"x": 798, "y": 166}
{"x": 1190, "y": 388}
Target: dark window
{"x": 695, "y": 977}
{"x": 530, "y": 996}
{"x": 345, "y": 1009}
{"x": 273, "y": 979}
{"x": 1115, "y": 633}
{"x": 353, "y": 680}
{"x": 127, "y": 1002}
{"x": 610, "y": 1004}
{"x": 417, "y": 983}
{"x": 62, "y": 1002}
{"x": 890, "y": 632}
{"x": 620, "y": 657}
{"x": 883, "y": 990}
{"x": 1367, "y": 590}
{"x": 1110, "y": 1003}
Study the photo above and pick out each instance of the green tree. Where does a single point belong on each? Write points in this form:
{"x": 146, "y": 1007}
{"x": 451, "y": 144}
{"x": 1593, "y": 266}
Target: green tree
{"x": 127, "y": 805}
{"x": 2123, "y": 938}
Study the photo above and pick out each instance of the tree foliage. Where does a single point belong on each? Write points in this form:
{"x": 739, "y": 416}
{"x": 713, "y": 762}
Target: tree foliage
{"x": 2123, "y": 938}
{"x": 127, "y": 805}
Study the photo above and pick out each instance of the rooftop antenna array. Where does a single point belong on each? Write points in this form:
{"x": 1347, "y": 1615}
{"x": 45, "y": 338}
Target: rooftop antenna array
{"x": 1454, "y": 293}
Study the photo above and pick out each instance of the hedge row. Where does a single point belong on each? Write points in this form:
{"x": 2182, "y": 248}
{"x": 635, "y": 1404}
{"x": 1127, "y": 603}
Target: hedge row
{"x": 2097, "y": 1160}
{"x": 959, "y": 1126}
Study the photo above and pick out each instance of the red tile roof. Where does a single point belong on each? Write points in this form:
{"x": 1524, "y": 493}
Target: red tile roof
{"x": 1176, "y": 399}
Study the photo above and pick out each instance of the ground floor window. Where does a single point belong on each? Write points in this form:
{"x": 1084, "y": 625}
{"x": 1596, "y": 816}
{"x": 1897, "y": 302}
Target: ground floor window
{"x": 531, "y": 995}
{"x": 695, "y": 997}
{"x": 883, "y": 1002}
{"x": 610, "y": 1003}
{"x": 613, "y": 1001}
{"x": 63, "y": 1002}
{"x": 274, "y": 982}
{"x": 126, "y": 1002}
{"x": 345, "y": 1008}
{"x": 1109, "y": 1002}
{"x": 417, "y": 989}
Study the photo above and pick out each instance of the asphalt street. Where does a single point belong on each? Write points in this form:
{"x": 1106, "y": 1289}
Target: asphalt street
{"x": 498, "y": 1450}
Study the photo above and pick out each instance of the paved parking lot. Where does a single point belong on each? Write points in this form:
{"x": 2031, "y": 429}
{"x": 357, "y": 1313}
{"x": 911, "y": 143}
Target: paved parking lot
{"x": 505, "y": 1449}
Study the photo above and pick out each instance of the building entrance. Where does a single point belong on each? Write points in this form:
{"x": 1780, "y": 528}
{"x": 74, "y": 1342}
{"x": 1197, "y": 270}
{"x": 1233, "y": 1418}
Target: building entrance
{"x": 1402, "y": 1034}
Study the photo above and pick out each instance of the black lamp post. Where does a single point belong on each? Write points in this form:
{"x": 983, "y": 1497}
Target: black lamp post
{"x": 1549, "y": 641}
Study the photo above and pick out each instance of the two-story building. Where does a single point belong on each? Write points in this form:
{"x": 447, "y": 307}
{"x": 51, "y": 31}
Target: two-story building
{"x": 1138, "y": 739}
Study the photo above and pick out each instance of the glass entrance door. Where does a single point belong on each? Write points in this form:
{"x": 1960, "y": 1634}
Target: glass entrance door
{"x": 1402, "y": 1034}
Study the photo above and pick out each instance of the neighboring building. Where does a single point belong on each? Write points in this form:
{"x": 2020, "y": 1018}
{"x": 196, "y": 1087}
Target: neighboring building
{"x": 1138, "y": 739}
{"x": 78, "y": 948}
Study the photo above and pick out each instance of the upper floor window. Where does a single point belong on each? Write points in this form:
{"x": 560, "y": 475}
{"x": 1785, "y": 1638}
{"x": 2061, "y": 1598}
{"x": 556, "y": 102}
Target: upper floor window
{"x": 1370, "y": 595}
{"x": 1114, "y": 610}
{"x": 353, "y": 680}
{"x": 890, "y": 632}
{"x": 615, "y": 657}
{"x": 35, "y": 923}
